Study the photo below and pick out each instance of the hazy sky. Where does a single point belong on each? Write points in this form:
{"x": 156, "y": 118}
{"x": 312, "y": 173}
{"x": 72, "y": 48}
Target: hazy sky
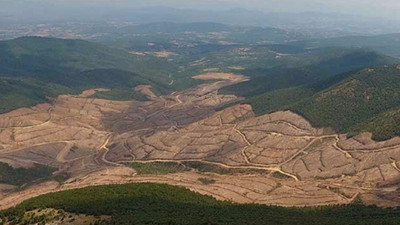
{"x": 383, "y": 8}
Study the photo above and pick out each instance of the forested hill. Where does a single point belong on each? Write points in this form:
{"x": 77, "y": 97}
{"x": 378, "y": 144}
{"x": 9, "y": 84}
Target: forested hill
{"x": 148, "y": 203}
{"x": 311, "y": 83}
{"x": 363, "y": 96}
{"x": 388, "y": 44}
{"x": 365, "y": 100}
{"x": 306, "y": 68}
{"x": 61, "y": 59}
{"x": 32, "y": 68}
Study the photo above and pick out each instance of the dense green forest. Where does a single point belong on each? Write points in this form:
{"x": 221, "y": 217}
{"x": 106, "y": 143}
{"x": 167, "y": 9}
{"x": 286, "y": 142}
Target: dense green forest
{"x": 383, "y": 126}
{"x": 59, "y": 59}
{"x": 22, "y": 92}
{"x": 304, "y": 69}
{"x": 148, "y": 203}
{"x": 20, "y": 176}
{"x": 388, "y": 44}
{"x": 350, "y": 102}
{"x": 33, "y": 68}
{"x": 354, "y": 101}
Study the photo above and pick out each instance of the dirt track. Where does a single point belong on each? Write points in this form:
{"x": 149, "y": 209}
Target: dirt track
{"x": 89, "y": 139}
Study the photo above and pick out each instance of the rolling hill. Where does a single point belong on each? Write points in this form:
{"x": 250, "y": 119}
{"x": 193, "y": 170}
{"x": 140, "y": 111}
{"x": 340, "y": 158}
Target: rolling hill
{"x": 191, "y": 38}
{"x": 364, "y": 100}
{"x": 388, "y": 44}
{"x": 60, "y": 59}
{"x": 149, "y": 203}
{"x": 33, "y": 69}
{"x": 304, "y": 68}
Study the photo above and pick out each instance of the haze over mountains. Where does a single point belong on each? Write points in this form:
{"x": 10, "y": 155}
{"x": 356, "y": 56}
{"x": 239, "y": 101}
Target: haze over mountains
{"x": 155, "y": 107}
{"x": 323, "y": 23}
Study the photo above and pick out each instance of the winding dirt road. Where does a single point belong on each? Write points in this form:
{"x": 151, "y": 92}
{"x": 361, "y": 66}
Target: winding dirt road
{"x": 319, "y": 168}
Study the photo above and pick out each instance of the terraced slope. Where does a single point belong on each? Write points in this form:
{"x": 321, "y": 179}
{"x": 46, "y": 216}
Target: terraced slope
{"x": 278, "y": 158}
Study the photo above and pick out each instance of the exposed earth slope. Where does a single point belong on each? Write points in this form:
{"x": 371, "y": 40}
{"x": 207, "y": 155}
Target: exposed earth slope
{"x": 231, "y": 154}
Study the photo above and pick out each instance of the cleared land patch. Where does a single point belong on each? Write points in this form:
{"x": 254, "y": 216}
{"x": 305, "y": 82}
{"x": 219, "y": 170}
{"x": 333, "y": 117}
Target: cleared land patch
{"x": 278, "y": 158}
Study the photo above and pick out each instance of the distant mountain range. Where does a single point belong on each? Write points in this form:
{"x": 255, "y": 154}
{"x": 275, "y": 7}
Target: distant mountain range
{"x": 313, "y": 23}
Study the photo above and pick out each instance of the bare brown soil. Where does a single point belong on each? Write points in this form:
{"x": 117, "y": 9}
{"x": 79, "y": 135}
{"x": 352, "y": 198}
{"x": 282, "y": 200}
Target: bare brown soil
{"x": 221, "y": 76}
{"x": 91, "y": 139}
{"x": 90, "y": 92}
{"x": 60, "y": 217}
{"x": 165, "y": 54}
{"x": 146, "y": 90}
{"x": 137, "y": 53}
